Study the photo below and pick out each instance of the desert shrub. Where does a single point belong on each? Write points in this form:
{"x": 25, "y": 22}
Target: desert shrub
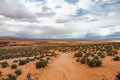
{"x": 94, "y": 62}
{"x": 18, "y": 72}
{"x": 87, "y": 55}
{"x": 109, "y": 54}
{"x": 3, "y": 79}
{"x": 23, "y": 62}
{"x": 11, "y": 77}
{"x": 116, "y": 58}
{"x": 27, "y": 59}
{"x": 29, "y": 76}
{"x": 92, "y": 54}
{"x": 32, "y": 59}
{"x": 79, "y": 54}
{"x": 95, "y": 57}
{"x": 37, "y": 58}
{"x": 82, "y": 60}
{"x": 102, "y": 56}
{"x": 99, "y": 53}
{"x": 42, "y": 56}
{"x": 97, "y": 62}
{"x": 117, "y": 77}
{"x": 109, "y": 48}
{"x": 78, "y": 59}
{"x": 4, "y": 64}
{"x": 91, "y": 63}
{"x": 15, "y": 61}
{"x": 14, "y": 66}
{"x": 0, "y": 73}
{"x": 41, "y": 63}
{"x": 48, "y": 58}
{"x": 115, "y": 52}
{"x": 87, "y": 59}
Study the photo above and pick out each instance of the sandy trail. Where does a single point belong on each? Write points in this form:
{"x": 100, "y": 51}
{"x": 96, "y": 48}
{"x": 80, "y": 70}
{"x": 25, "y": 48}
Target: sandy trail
{"x": 62, "y": 69}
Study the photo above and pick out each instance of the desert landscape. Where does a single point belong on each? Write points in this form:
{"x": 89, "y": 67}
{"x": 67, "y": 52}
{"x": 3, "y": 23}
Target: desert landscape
{"x": 59, "y": 39}
{"x": 25, "y": 59}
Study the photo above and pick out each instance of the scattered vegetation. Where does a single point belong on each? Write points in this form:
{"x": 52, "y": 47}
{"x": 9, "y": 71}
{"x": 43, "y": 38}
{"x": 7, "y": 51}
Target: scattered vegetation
{"x": 23, "y": 62}
{"x": 117, "y": 77}
{"x": 90, "y": 54}
{"x": 14, "y": 66}
{"x": 11, "y": 77}
{"x": 41, "y": 63}
{"x": 4, "y": 64}
{"x": 18, "y": 72}
{"x": 29, "y": 76}
{"x": 0, "y": 73}
{"x": 79, "y": 54}
{"x": 116, "y": 58}
{"x": 93, "y": 53}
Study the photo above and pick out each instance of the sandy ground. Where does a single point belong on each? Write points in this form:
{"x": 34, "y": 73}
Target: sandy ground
{"x": 65, "y": 67}
{"x": 62, "y": 69}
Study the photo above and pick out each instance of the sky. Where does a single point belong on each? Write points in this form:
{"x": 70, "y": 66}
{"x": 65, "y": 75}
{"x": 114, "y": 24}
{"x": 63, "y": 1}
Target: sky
{"x": 60, "y": 19}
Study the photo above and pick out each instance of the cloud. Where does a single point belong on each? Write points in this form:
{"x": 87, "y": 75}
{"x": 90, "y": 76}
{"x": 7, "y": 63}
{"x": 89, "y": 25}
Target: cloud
{"x": 86, "y": 4}
{"x": 60, "y": 19}
{"x": 47, "y": 12}
{"x": 15, "y": 9}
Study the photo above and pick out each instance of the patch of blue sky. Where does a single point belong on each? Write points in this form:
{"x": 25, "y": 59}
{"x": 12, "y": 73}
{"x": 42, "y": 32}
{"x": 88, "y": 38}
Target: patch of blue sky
{"x": 106, "y": 4}
{"x": 37, "y": 0}
{"x": 72, "y": 1}
{"x": 57, "y": 7}
{"x": 81, "y": 12}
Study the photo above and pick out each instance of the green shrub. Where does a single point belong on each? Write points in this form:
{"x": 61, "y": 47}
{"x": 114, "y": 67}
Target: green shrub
{"x": 41, "y": 63}
{"x": 3, "y": 79}
{"x": 15, "y": 61}
{"x": 82, "y": 60}
{"x": 37, "y": 58}
{"x": 11, "y": 77}
{"x": 116, "y": 58}
{"x": 109, "y": 54}
{"x": 109, "y": 48}
{"x": 95, "y": 57}
{"x": 92, "y": 54}
{"x": 91, "y": 63}
{"x": 115, "y": 52}
{"x": 97, "y": 62}
{"x": 79, "y": 54}
{"x": 117, "y": 76}
{"x": 102, "y": 56}
{"x": 18, "y": 72}
{"x": 94, "y": 62}
{"x": 32, "y": 59}
{"x": 4, "y": 64}
{"x": 29, "y": 76}
{"x": 23, "y": 62}
{"x": 87, "y": 55}
{"x": 42, "y": 56}
{"x": 87, "y": 59}
{"x": 14, "y": 66}
{"x": 0, "y": 73}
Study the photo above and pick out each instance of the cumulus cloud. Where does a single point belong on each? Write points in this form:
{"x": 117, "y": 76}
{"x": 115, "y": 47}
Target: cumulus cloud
{"x": 15, "y": 9}
{"x": 60, "y": 19}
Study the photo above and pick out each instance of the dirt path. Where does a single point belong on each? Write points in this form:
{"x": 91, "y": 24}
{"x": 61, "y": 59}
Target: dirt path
{"x": 62, "y": 69}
